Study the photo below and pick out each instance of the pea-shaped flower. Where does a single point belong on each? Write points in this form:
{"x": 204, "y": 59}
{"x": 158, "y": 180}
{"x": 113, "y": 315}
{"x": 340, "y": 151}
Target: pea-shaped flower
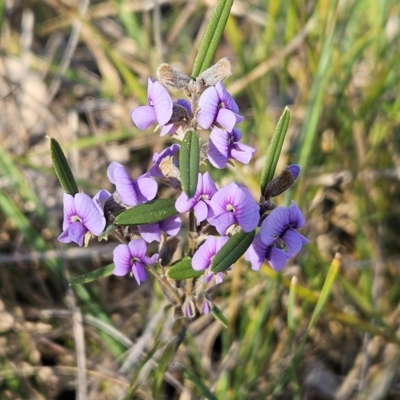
{"x": 158, "y": 108}
{"x": 216, "y": 105}
{"x": 131, "y": 258}
{"x": 131, "y": 192}
{"x": 278, "y": 240}
{"x": 234, "y": 204}
{"x": 81, "y": 215}
{"x": 224, "y": 146}
{"x": 204, "y": 255}
{"x": 200, "y": 202}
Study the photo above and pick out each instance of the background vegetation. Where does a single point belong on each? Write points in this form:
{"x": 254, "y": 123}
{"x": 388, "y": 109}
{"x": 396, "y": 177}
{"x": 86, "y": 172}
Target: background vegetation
{"x": 73, "y": 70}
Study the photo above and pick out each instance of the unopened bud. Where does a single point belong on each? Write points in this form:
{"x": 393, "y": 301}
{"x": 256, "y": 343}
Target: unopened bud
{"x": 171, "y": 77}
{"x": 282, "y": 182}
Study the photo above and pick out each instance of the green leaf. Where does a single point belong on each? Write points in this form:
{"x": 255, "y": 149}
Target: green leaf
{"x": 212, "y": 37}
{"x": 326, "y": 290}
{"x": 219, "y": 316}
{"x": 92, "y": 276}
{"x": 189, "y": 160}
{"x": 232, "y": 250}
{"x": 61, "y": 166}
{"x": 274, "y": 150}
{"x": 148, "y": 213}
{"x": 183, "y": 269}
{"x": 200, "y": 385}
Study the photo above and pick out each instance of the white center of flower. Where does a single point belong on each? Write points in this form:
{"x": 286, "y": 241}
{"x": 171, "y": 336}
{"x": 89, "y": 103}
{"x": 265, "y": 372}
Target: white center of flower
{"x": 230, "y": 207}
{"x": 75, "y": 218}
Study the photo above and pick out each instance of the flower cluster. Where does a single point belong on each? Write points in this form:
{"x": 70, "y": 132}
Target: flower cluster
{"x": 215, "y": 214}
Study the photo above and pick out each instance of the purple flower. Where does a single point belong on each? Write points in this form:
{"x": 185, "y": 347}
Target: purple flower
{"x": 200, "y": 201}
{"x": 165, "y": 157}
{"x": 131, "y": 192}
{"x": 181, "y": 113}
{"x": 100, "y": 198}
{"x": 234, "y": 204}
{"x": 151, "y": 232}
{"x": 294, "y": 170}
{"x": 258, "y": 252}
{"x": 225, "y": 145}
{"x": 217, "y": 106}
{"x": 158, "y": 109}
{"x": 81, "y": 215}
{"x": 204, "y": 255}
{"x": 131, "y": 258}
{"x": 278, "y": 240}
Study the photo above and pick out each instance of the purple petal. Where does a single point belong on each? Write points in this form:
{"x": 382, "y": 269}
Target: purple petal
{"x": 223, "y": 221}
{"x": 218, "y": 149}
{"x": 296, "y": 218}
{"x": 144, "y": 116}
{"x": 89, "y": 214}
{"x": 162, "y": 103}
{"x": 125, "y": 186}
{"x": 256, "y": 253}
{"x": 171, "y": 226}
{"x": 122, "y": 258}
{"x": 208, "y": 103}
{"x": 185, "y": 104}
{"x": 138, "y": 249}
{"x": 159, "y": 157}
{"x": 242, "y": 152}
{"x": 274, "y": 225}
{"x": 277, "y": 258}
{"x": 247, "y": 211}
{"x": 150, "y": 232}
{"x": 237, "y": 135}
{"x": 203, "y": 257}
{"x": 152, "y": 259}
{"x": 206, "y": 307}
{"x": 294, "y": 170}
{"x": 226, "y": 98}
{"x": 146, "y": 189}
{"x": 100, "y": 198}
{"x": 69, "y": 210}
{"x": 226, "y": 118}
{"x": 209, "y": 187}
{"x": 139, "y": 272}
{"x": 293, "y": 242}
{"x": 184, "y": 204}
{"x": 201, "y": 210}
{"x": 168, "y": 129}
{"x": 111, "y": 170}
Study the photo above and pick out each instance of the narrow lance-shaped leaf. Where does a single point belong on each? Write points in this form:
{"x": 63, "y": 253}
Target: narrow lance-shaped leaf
{"x": 183, "y": 269}
{"x": 212, "y": 37}
{"x": 61, "y": 166}
{"x": 189, "y": 160}
{"x": 219, "y": 316}
{"x": 92, "y": 276}
{"x": 274, "y": 150}
{"x": 232, "y": 250}
{"x": 148, "y": 213}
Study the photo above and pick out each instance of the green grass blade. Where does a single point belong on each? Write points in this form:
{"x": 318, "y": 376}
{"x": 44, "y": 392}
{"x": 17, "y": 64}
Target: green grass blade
{"x": 200, "y": 385}
{"x": 326, "y": 290}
